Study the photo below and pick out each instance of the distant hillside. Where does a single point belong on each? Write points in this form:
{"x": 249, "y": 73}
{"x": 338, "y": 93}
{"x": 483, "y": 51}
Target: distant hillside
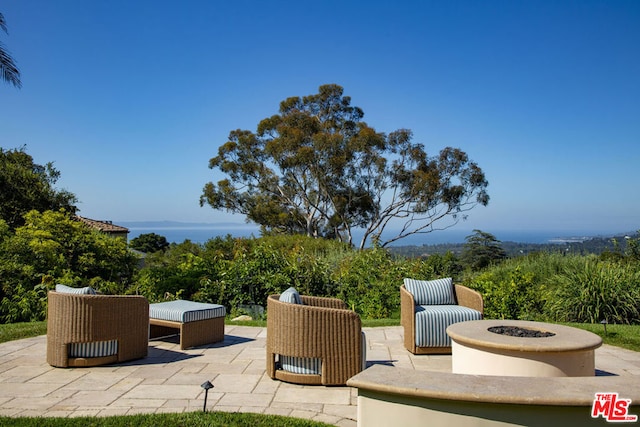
{"x": 582, "y": 246}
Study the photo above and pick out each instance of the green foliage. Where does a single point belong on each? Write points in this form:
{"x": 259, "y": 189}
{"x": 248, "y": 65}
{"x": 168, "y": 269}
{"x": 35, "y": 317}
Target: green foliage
{"x": 597, "y": 290}
{"x": 481, "y": 250}
{"x": 236, "y": 272}
{"x": 25, "y": 305}
{"x": 511, "y": 294}
{"x": 255, "y": 274}
{"x": 53, "y": 248}
{"x": 560, "y": 288}
{"x": 362, "y": 287}
{"x": 316, "y": 168}
{"x": 517, "y": 288}
{"x": 631, "y": 252}
{"x": 176, "y": 273}
{"x": 26, "y": 185}
{"x": 149, "y": 243}
{"x": 369, "y": 281}
{"x": 443, "y": 265}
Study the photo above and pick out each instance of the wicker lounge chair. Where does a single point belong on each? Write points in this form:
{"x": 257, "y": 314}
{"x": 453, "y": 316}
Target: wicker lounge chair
{"x": 434, "y": 318}
{"x": 91, "y": 330}
{"x": 320, "y": 329}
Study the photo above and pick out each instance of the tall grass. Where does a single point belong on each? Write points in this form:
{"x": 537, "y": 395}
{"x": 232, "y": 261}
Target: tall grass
{"x": 560, "y": 288}
{"x": 595, "y": 291}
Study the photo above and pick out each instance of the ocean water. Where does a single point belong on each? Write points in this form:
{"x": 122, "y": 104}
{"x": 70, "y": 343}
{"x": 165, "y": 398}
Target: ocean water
{"x": 194, "y": 234}
{"x": 202, "y": 234}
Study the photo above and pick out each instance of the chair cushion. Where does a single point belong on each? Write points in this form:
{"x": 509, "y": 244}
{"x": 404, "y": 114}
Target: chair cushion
{"x": 309, "y": 365}
{"x": 291, "y": 295}
{"x": 301, "y": 365}
{"x": 87, "y": 290}
{"x": 431, "y": 292}
{"x": 432, "y": 322}
{"x": 185, "y": 311}
{"x": 93, "y": 349}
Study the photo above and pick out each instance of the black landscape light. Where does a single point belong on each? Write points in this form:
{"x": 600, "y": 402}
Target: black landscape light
{"x": 206, "y": 386}
{"x": 604, "y": 323}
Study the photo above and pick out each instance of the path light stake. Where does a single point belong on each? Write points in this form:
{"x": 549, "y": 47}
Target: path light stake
{"x": 604, "y": 323}
{"x": 206, "y": 386}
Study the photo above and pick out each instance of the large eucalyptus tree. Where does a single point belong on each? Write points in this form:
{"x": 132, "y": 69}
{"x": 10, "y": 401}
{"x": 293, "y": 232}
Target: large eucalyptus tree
{"x": 317, "y": 168}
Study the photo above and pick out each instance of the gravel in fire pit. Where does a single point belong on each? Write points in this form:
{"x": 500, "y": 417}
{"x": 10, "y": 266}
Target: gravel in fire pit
{"x": 516, "y": 331}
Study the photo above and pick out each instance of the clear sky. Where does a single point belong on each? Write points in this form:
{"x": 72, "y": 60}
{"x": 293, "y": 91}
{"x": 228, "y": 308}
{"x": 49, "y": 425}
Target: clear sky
{"x": 130, "y": 99}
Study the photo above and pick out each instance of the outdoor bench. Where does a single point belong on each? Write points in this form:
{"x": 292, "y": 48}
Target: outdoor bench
{"x": 406, "y": 397}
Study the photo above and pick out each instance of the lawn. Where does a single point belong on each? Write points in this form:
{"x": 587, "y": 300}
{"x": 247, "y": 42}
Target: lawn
{"x": 16, "y": 331}
{"x": 191, "y": 419}
{"x": 625, "y": 336}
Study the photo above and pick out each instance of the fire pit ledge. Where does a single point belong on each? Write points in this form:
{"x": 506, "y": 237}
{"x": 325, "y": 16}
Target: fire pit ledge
{"x": 477, "y": 351}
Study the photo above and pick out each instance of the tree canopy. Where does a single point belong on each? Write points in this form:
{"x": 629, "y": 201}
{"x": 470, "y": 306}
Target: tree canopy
{"x": 26, "y": 185}
{"x": 149, "y": 243}
{"x": 317, "y": 168}
{"x": 482, "y": 249}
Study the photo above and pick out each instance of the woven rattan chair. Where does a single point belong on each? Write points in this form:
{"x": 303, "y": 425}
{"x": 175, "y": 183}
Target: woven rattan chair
{"x": 121, "y": 322}
{"x": 464, "y": 296}
{"x": 321, "y": 328}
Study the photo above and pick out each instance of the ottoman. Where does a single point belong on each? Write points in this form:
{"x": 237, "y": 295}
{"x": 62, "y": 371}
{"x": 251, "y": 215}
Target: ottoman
{"x": 197, "y": 323}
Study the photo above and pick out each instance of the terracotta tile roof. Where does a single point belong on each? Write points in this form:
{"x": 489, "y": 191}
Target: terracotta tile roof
{"x": 104, "y": 226}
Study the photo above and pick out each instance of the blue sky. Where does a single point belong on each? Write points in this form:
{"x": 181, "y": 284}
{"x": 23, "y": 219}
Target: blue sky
{"x": 130, "y": 99}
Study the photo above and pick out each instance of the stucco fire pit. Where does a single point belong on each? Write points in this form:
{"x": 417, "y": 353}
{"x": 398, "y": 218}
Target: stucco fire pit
{"x": 522, "y": 348}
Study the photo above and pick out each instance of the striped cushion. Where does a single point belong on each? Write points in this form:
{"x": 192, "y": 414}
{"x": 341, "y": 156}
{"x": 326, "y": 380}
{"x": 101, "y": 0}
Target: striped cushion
{"x": 301, "y": 365}
{"x": 185, "y": 311}
{"x": 291, "y": 295}
{"x": 432, "y": 322}
{"x": 93, "y": 349}
{"x": 431, "y": 292}
{"x": 69, "y": 290}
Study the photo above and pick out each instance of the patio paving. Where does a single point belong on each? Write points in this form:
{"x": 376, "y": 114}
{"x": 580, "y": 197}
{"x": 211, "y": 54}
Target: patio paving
{"x": 169, "y": 379}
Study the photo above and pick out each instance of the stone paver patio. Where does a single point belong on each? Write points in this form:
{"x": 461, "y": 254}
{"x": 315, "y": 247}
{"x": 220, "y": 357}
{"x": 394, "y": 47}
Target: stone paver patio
{"x": 169, "y": 379}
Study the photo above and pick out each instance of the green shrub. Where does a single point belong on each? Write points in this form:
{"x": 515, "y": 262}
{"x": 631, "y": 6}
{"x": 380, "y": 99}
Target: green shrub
{"x": 369, "y": 281}
{"x": 237, "y": 272}
{"x": 174, "y": 274}
{"x": 25, "y": 305}
{"x": 597, "y": 290}
{"x": 438, "y": 265}
{"x": 513, "y": 295}
{"x": 53, "y": 248}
